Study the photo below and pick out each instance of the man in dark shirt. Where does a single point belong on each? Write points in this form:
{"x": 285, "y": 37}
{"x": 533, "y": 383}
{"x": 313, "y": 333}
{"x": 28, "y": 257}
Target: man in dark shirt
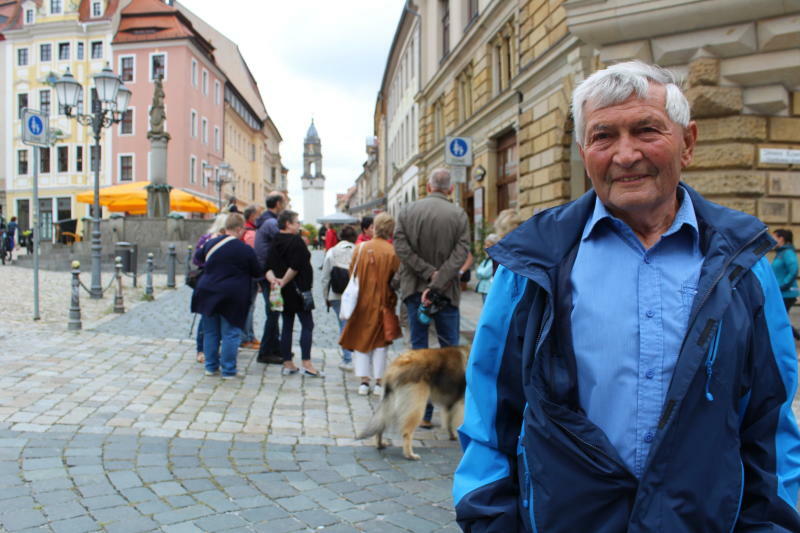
{"x": 269, "y": 351}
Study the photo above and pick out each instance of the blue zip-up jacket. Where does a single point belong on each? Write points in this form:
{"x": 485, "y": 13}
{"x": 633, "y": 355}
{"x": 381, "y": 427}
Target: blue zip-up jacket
{"x": 726, "y": 455}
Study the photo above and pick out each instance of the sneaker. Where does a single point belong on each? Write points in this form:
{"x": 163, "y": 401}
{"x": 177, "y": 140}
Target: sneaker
{"x": 377, "y": 390}
{"x": 363, "y": 389}
{"x": 346, "y": 366}
{"x": 231, "y": 376}
{"x": 289, "y": 371}
{"x": 212, "y": 372}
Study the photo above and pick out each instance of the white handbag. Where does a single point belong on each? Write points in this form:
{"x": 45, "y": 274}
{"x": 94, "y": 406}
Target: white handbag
{"x": 350, "y": 294}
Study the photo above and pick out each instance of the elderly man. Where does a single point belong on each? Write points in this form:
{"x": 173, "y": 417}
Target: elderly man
{"x": 633, "y": 370}
{"x": 267, "y": 223}
{"x": 432, "y": 241}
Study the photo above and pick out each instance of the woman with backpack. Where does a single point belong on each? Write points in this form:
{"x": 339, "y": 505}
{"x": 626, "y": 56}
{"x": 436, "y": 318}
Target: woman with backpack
{"x": 334, "y": 280}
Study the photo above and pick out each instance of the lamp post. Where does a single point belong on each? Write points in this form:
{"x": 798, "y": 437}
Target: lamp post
{"x": 222, "y": 177}
{"x": 114, "y": 98}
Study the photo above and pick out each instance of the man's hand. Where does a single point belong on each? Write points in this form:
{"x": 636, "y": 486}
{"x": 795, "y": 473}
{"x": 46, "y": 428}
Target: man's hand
{"x": 425, "y": 300}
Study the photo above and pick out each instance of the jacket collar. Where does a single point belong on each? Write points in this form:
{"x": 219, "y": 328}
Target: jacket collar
{"x": 544, "y": 240}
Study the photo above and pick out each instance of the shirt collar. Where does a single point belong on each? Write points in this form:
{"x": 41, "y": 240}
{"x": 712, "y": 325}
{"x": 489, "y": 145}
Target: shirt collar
{"x": 684, "y": 216}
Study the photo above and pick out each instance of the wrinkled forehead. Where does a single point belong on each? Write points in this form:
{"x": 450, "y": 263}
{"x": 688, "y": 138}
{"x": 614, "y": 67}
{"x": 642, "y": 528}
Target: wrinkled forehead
{"x": 655, "y": 96}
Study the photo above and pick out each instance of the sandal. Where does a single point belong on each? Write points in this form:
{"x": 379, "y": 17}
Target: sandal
{"x": 201, "y": 357}
{"x": 317, "y": 374}
{"x": 426, "y": 424}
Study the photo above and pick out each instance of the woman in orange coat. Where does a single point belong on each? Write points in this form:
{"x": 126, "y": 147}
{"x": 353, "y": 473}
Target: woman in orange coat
{"x": 376, "y": 263}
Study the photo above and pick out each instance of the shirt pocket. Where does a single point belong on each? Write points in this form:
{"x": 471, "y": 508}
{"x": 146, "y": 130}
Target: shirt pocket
{"x": 688, "y": 293}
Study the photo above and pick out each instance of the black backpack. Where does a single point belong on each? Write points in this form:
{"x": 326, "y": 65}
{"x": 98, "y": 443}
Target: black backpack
{"x": 339, "y": 279}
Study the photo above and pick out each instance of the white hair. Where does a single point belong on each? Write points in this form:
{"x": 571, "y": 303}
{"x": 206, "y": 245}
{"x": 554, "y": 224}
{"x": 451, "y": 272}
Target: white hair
{"x": 618, "y": 82}
{"x": 218, "y": 226}
{"x": 439, "y": 180}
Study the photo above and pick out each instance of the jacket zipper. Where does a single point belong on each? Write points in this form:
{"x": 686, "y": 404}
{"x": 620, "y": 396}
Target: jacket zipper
{"x": 527, "y": 501}
{"x": 712, "y": 356}
{"x": 741, "y": 494}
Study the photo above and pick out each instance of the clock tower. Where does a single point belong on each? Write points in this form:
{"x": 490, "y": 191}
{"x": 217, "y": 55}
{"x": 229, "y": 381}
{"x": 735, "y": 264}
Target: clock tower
{"x": 313, "y": 180}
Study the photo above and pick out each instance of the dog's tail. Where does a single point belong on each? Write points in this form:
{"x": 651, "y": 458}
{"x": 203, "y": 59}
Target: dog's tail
{"x": 383, "y": 416}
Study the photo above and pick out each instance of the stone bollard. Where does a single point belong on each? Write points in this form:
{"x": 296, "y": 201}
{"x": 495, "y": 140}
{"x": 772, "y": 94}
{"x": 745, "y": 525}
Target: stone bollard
{"x": 119, "y": 304}
{"x": 148, "y": 284}
{"x": 189, "y": 250}
{"x": 74, "y": 323}
{"x": 171, "y": 261}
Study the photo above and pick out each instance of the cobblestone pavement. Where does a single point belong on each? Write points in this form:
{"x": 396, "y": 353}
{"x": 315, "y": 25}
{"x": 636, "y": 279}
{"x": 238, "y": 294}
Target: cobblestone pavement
{"x": 116, "y": 428}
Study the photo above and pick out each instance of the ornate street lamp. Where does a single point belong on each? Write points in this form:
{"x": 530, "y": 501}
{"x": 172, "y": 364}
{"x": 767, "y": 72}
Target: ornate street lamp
{"x": 114, "y": 99}
{"x": 223, "y": 177}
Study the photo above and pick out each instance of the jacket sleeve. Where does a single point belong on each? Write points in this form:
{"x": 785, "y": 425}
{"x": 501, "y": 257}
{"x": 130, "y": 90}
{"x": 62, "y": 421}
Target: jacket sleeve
{"x": 448, "y": 271}
{"x": 407, "y": 256}
{"x": 485, "y": 486}
{"x": 326, "y": 273}
{"x": 770, "y": 440}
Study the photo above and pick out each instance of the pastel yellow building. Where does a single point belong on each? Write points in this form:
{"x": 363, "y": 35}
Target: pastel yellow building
{"x": 48, "y": 37}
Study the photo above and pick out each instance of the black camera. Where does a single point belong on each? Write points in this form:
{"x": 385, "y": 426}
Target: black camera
{"x": 438, "y": 302}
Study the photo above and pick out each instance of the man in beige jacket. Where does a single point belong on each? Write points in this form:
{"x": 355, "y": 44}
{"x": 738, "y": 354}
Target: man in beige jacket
{"x": 432, "y": 241}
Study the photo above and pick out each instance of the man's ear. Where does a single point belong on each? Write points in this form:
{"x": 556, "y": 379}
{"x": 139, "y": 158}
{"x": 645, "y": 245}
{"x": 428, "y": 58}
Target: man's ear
{"x": 689, "y": 142}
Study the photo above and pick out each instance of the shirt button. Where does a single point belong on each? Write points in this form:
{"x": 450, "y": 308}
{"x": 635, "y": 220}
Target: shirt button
{"x": 648, "y": 437}
{"x": 650, "y": 374}
{"x": 650, "y": 313}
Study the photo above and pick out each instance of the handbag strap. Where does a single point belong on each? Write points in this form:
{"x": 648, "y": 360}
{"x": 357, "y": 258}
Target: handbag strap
{"x": 218, "y": 246}
{"x": 358, "y": 255}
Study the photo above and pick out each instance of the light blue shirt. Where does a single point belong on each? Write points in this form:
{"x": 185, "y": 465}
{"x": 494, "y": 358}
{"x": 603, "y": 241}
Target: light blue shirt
{"x": 630, "y": 313}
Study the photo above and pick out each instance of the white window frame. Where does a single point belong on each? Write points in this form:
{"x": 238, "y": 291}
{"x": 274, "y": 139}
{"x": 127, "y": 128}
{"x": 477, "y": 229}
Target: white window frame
{"x": 217, "y": 92}
{"x": 132, "y": 109}
{"x": 50, "y": 8}
{"x": 27, "y": 56}
{"x": 58, "y": 51}
{"x": 57, "y": 147}
{"x": 32, "y": 13}
{"x": 40, "y": 53}
{"x": 133, "y": 167}
{"x": 91, "y": 49}
{"x": 203, "y": 175}
{"x": 119, "y": 67}
{"x": 205, "y": 82}
{"x": 217, "y": 143}
{"x": 80, "y": 50}
{"x": 150, "y": 64}
{"x": 204, "y": 129}
{"x": 194, "y": 73}
{"x": 98, "y": 4}
{"x": 192, "y": 169}
{"x": 193, "y": 123}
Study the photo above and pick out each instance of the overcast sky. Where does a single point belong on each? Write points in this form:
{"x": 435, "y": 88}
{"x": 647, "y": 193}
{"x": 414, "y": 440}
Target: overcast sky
{"x": 313, "y": 58}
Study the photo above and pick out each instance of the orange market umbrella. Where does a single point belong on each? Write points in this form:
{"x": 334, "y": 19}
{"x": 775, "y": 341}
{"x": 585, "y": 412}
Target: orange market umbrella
{"x": 132, "y": 197}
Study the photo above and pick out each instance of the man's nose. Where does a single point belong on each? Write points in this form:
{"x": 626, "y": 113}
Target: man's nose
{"x": 627, "y": 151}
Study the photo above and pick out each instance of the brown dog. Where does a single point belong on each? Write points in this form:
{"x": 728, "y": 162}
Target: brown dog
{"x": 412, "y": 378}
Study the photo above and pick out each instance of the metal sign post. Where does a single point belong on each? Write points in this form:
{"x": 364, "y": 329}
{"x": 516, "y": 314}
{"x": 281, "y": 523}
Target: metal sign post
{"x": 35, "y": 128}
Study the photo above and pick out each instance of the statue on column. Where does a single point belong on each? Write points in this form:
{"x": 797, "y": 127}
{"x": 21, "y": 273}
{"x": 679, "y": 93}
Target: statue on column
{"x": 158, "y": 204}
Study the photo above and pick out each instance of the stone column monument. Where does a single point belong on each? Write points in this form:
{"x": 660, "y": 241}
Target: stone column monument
{"x": 158, "y": 190}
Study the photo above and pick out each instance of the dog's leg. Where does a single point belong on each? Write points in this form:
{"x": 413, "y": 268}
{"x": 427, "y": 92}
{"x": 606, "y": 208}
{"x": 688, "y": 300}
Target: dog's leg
{"x": 379, "y": 441}
{"x": 412, "y": 418}
{"x": 454, "y": 417}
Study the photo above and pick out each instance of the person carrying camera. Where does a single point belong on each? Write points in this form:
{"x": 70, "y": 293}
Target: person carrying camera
{"x": 432, "y": 241}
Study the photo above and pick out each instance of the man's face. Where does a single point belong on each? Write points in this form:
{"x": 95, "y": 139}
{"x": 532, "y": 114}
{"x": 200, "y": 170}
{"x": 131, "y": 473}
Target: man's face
{"x": 634, "y": 153}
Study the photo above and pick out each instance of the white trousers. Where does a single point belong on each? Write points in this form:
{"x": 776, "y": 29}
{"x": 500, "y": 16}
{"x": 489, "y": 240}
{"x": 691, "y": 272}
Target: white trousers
{"x": 371, "y": 364}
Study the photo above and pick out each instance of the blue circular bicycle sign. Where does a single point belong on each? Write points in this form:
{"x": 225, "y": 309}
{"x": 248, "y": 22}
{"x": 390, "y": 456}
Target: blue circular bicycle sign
{"x": 35, "y": 125}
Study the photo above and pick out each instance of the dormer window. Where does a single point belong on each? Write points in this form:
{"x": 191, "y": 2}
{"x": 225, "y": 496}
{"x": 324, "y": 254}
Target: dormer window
{"x": 97, "y": 9}
{"x": 30, "y": 16}
{"x": 56, "y": 7}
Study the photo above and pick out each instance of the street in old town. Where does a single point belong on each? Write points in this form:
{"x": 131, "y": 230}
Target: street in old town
{"x": 115, "y": 428}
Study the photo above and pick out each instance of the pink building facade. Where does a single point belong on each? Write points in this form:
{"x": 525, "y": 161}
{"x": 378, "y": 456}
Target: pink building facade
{"x": 155, "y": 39}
